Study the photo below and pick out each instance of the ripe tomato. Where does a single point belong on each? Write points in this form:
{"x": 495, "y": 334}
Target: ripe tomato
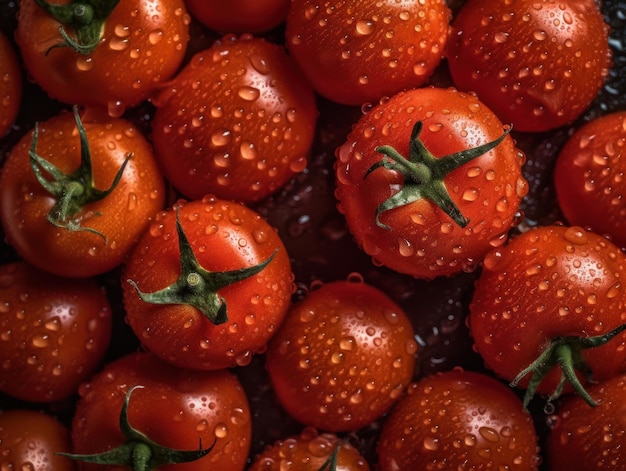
{"x": 583, "y": 437}
{"x": 175, "y": 408}
{"x": 542, "y": 297}
{"x": 226, "y": 239}
{"x": 358, "y": 51}
{"x": 31, "y": 440}
{"x": 10, "y": 84}
{"x": 55, "y": 332}
{"x": 458, "y": 420}
{"x": 121, "y": 57}
{"x": 236, "y": 122}
{"x": 342, "y": 357}
{"x": 589, "y": 177}
{"x": 413, "y": 216}
{"x": 536, "y": 64}
{"x": 95, "y": 233}
{"x": 239, "y": 16}
{"x": 309, "y": 451}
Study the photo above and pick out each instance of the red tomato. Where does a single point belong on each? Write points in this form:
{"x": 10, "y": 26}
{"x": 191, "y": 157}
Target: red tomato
{"x": 224, "y": 238}
{"x": 10, "y": 84}
{"x": 309, "y": 451}
{"x": 342, "y": 356}
{"x": 174, "y": 408}
{"x": 127, "y": 54}
{"x": 55, "y": 332}
{"x": 552, "y": 287}
{"x": 358, "y": 51}
{"x": 589, "y": 177}
{"x": 583, "y": 437}
{"x": 97, "y": 231}
{"x": 536, "y": 64}
{"x": 458, "y": 420}
{"x": 239, "y": 16}
{"x": 236, "y": 122}
{"x": 413, "y": 216}
{"x": 31, "y": 440}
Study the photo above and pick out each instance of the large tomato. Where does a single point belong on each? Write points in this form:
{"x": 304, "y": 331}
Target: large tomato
{"x": 536, "y": 64}
{"x": 67, "y": 212}
{"x": 239, "y": 16}
{"x": 10, "y": 84}
{"x": 418, "y": 194}
{"x": 107, "y": 53}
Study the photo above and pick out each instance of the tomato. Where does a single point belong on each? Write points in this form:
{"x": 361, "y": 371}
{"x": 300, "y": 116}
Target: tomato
{"x": 359, "y": 51}
{"x": 237, "y": 122}
{"x": 10, "y": 84}
{"x": 173, "y": 407}
{"x": 426, "y": 217}
{"x": 583, "y": 437}
{"x": 239, "y": 16}
{"x": 458, "y": 420}
{"x": 31, "y": 440}
{"x": 67, "y": 222}
{"x": 540, "y": 300}
{"x": 232, "y": 260}
{"x": 55, "y": 332}
{"x": 309, "y": 451}
{"x": 342, "y": 356}
{"x": 588, "y": 177}
{"x": 108, "y": 53}
{"x": 536, "y": 64}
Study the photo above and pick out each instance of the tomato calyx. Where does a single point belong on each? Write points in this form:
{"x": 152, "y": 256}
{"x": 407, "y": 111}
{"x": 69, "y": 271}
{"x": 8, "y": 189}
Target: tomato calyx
{"x": 139, "y": 452}
{"x": 85, "y": 17}
{"x": 566, "y": 353}
{"x": 72, "y": 191}
{"x": 424, "y": 174}
{"x": 197, "y": 286}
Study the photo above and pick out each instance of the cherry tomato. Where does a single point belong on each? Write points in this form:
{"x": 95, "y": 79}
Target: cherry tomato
{"x": 588, "y": 177}
{"x": 235, "y": 270}
{"x": 458, "y": 420}
{"x": 173, "y": 407}
{"x": 417, "y": 193}
{"x": 106, "y": 53}
{"x": 536, "y": 64}
{"x": 237, "y": 122}
{"x": 359, "y": 51}
{"x": 342, "y": 357}
{"x": 10, "y": 84}
{"x": 77, "y": 219}
{"x": 239, "y": 16}
{"x": 55, "y": 332}
{"x": 31, "y": 440}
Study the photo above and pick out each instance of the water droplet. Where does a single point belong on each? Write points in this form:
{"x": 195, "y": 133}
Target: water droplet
{"x": 365, "y": 27}
{"x": 248, "y": 93}
{"x": 155, "y": 36}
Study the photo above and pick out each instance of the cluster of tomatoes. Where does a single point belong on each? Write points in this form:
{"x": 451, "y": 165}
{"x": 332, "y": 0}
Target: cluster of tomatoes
{"x": 312, "y": 235}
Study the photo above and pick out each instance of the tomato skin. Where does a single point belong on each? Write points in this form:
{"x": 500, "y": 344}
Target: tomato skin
{"x": 32, "y": 439}
{"x": 537, "y": 65}
{"x": 424, "y": 242}
{"x": 124, "y": 213}
{"x": 584, "y": 437}
{"x": 359, "y": 51}
{"x": 57, "y": 331}
{"x": 174, "y": 408}
{"x": 552, "y": 281}
{"x": 588, "y": 177}
{"x": 140, "y": 49}
{"x": 341, "y": 328}
{"x": 227, "y": 17}
{"x": 10, "y": 85}
{"x": 236, "y": 122}
{"x": 458, "y": 420}
{"x": 224, "y": 235}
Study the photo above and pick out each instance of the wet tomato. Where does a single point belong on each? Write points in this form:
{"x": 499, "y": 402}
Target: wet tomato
{"x": 10, "y": 84}
{"x": 239, "y": 16}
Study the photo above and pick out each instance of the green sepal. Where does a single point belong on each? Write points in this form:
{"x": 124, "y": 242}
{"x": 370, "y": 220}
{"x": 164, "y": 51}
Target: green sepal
{"x": 72, "y": 191}
{"x": 331, "y": 463}
{"x": 139, "y": 452}
{"x": 424, "y": 174}
{"x": 197, "y": 286}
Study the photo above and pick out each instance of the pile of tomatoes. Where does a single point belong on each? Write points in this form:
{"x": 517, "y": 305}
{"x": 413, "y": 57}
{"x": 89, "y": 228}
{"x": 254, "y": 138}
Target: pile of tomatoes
{"x": 312, "y": 234}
